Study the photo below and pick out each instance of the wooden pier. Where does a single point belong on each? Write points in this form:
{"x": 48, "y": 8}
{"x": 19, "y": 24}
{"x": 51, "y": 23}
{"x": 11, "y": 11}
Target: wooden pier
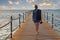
{"x": 27, "y": 31}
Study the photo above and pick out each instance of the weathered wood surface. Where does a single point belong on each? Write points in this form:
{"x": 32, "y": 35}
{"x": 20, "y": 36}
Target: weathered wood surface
{"x": 27, "y": 31}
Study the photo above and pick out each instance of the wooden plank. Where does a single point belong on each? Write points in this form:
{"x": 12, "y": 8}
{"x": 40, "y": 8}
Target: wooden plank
{"x": 28, "y": 32}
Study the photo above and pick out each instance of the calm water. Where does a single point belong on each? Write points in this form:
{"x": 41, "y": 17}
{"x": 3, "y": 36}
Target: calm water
{"x": 6, "y": 14}
{"x": 56, "y": 13}
{"x": 5, "y": 18}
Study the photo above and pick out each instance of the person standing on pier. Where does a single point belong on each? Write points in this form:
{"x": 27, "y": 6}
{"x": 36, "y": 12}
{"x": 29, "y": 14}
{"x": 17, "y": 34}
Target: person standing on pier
{"x": 36, "y": 17}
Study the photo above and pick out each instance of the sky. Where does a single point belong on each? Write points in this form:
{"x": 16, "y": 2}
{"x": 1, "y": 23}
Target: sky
{"x": 29, "y": 4}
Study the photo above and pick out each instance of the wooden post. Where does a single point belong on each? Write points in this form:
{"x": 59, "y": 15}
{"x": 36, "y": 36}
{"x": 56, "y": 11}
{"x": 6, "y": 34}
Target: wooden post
{"x": 52, "y": 20}
{"x": 44, "y": 16}
{"x": 47, "y": 17}
{"x": 23, "y": 17}
{"x": 19, "y": 19}
{"x": 11, "y": 26}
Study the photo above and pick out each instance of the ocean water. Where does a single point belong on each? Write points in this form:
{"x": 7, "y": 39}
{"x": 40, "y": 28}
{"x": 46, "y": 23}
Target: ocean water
{"x": 56, "y": 22}
{"x": 5, "y": 16}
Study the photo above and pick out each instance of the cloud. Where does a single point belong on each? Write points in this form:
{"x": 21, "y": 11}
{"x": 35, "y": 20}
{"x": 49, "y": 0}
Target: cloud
{"x": 17, "y": 3}
{"x": 33, "y": 6}
{"x": 30, "y": 1}
{"x": 7, "y": 7}
{"x": 45, "y": 4}
{"x": 24, "y": 8}
{"x": 50, "y": 4}
{"x": 3, "y": 7}
{"x": 12, "y": 7}
{"x": 10, "y": 2}
{"x": 47, "y": 1}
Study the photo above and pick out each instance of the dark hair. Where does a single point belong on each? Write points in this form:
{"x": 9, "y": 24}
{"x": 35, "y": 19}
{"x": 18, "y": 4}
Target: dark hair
{"x": 36, "y": 6}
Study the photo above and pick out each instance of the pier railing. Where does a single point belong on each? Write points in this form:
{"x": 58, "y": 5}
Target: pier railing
{"x": 10, "y": 23}
{"x": 52, "y": 23}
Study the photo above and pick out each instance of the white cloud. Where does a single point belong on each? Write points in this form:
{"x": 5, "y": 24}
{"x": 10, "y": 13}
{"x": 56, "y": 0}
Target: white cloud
{"x": 12, "y": 7}
{"x": 47, "y": 1}
{"x": 30, "y": 1}
{"x": 10, "y": 2}
{"x": 3, "y": 7}
{"x": 33, "y": 6}
{"x": 24, "y": 8}
{"x": 17, "y": 3}
{"x": 7, "y": 7}
{"x": 50, "y": 4}
{"x": 45, "y": 4}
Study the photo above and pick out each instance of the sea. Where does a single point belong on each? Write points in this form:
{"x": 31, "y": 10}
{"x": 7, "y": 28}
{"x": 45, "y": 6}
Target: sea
{"x": 56, "y": 18}
{"x": 5, "y": 17}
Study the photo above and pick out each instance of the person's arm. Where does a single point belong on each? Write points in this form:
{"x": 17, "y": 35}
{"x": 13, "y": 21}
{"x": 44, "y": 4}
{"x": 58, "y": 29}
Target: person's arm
{"x": 41, "y": 15}
{"x": 41, "y": 18}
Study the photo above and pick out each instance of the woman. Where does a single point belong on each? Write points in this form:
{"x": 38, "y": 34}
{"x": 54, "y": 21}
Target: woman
{"x": 36, "y": 17}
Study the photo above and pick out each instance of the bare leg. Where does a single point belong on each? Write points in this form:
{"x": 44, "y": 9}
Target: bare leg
{"x": 37, "y": 26}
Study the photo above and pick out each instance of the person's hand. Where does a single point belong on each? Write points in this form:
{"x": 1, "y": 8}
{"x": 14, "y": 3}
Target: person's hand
{"x": 41, "y": 22}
